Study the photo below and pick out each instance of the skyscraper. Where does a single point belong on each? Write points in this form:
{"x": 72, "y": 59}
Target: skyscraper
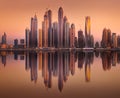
{"x": 16, "y": 43}
{"x": 91, "y": 41}
{"x": 109, "y": 38}
{"x": 106, "y": 38}
{"x": 50, "y": 44}
{"x": 27, "y": 35}
{"x": 118, "y": 41}
{"x": 114, "y": 40}
{"x": 66, "y": 33}
{"x": 81, "y": 39}
{"x": 87, "y": 30}
{"x": 40, "y": 38}
{"x": 55, "y": 33}
{"x": 45, "y": 26}
{"x": 4, "y": 38}
{"x": 72, "y": 36}
{"x": 60, "y": 27}
{"x": 33, "y": 32}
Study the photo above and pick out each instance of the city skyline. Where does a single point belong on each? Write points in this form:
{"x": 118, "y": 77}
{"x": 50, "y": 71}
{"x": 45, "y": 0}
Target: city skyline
{"x": 59, "y": 48}
{"x": 104, "y": 14}
{"x": 61, "y": 34}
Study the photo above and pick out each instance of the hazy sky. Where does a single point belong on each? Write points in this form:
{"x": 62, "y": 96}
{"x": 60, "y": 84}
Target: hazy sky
{"x": 15, "y": 15}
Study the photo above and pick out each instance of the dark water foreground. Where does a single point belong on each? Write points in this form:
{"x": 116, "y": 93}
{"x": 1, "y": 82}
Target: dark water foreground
{"x": 60, "y": 74}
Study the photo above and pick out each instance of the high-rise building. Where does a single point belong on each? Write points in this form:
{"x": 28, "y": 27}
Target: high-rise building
{"x": 67, "y": 41}
{"x": 114, "y": 40}
{"x": 40, "y": 38}
{"x": 60, "y": 27}
{"x": 16, "y": 43}
{"x": 27, "y": 37}
{"x": 87, "y": 30}
{"x": 4, "y": 38}
{"x": 50, "y": 44}
{"x": 106, "y": 38}
{"x": 66, "y": 33}
{"x": 91, "y": 42}
{"x": 33, "y": 32}
{"x": 72, "y": 36}
{"x": 55, "y": 33}
{"x": 118, "y": 41}
{"x": 81, "y": 39}
{"x": 109, "y": 38}
{"x": 45, "y": 26}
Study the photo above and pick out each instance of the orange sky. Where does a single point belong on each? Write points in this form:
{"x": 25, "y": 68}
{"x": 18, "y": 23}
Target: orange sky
{"x": 15, "y": 15}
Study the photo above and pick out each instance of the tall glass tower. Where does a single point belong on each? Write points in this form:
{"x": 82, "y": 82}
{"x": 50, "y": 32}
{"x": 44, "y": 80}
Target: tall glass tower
{"x": 60, "y": 27}
{"x": 45, "y": 26}
{"x": 87, "y": 30}
{"x": 33, "y": 32}
{"x": 50, "y": 44}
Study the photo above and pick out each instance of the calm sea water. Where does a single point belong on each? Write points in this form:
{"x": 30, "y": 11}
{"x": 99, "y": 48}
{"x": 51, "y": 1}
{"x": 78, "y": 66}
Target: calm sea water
{"x": 59, "y": 75}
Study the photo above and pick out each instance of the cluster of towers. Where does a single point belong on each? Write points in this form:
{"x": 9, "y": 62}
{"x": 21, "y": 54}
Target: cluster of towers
{"x": 58, "y": 34}
{"x": 110, "y": 40}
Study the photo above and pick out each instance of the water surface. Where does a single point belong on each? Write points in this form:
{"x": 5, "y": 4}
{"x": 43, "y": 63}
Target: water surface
{"x": 59, "y": 74}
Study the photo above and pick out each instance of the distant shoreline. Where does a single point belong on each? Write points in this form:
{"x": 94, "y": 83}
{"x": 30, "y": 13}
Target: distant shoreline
{"x": 62, "y": 49}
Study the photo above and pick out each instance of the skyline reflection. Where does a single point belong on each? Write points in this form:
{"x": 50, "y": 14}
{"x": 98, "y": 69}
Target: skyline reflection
{"x": 61, "y": 64}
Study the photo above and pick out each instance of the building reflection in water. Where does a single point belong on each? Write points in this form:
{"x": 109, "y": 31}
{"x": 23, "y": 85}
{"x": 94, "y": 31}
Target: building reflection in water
{"x": 109, "y": 59}
{"x": 3, "y": 57}
{"x": 58, "y": 64}
{"x": 61, "y": 64}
